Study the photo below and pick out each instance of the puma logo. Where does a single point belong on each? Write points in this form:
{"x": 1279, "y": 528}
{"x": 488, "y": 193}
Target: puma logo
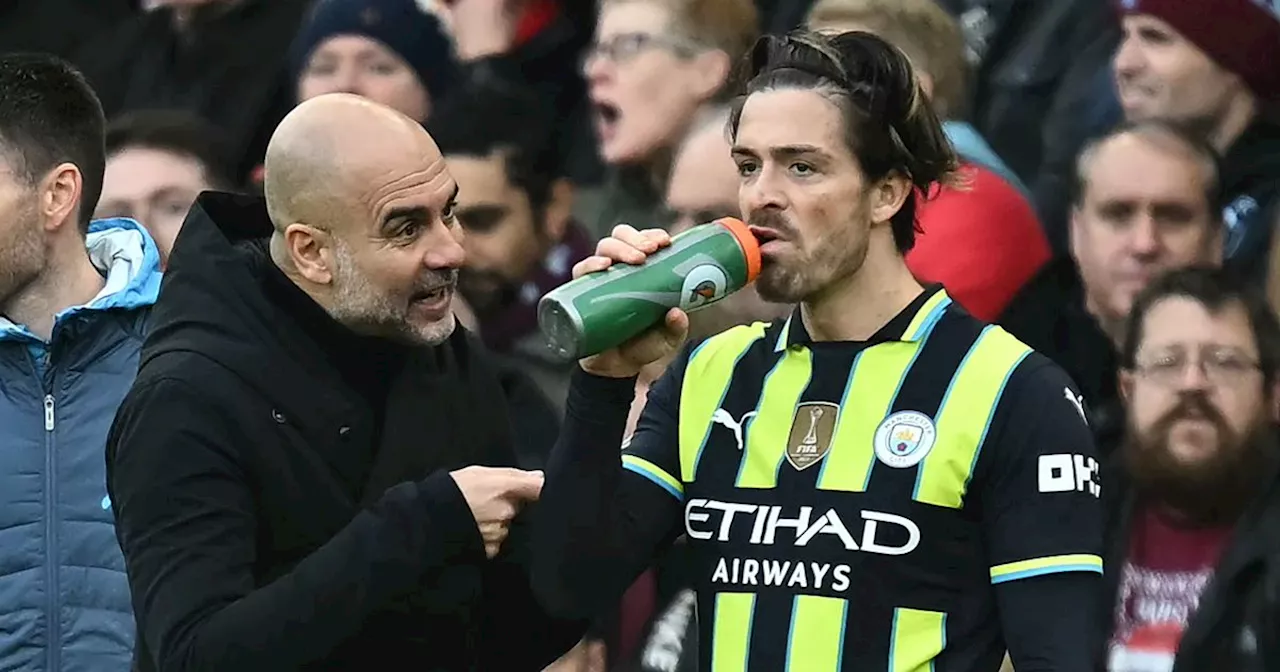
{"x": 1077, "y": 401}
{"x": 722, "y": 417}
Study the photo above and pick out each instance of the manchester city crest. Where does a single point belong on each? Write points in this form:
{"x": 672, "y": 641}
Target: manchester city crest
{"x": 904, "y": 439}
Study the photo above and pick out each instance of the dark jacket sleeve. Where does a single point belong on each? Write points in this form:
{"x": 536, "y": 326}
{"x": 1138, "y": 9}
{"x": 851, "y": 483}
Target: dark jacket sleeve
{"x": 185, "y": 519}
{"x": 529, "y": 637}
{"x": 598, "y": 526}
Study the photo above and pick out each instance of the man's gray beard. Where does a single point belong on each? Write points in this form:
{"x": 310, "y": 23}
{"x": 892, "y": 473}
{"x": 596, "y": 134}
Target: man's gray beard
{"x": 22, "y": 258}
{"x": 358, "y": 305}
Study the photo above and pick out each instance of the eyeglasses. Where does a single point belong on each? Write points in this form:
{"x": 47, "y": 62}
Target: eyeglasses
{"x": 1220, "y": 366}
{"x": 626, "y": 46}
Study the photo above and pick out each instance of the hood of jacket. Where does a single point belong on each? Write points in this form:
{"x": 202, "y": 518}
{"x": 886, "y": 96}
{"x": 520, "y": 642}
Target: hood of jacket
{"x": 212, "y": 303}
{"x": 123, "y": 251}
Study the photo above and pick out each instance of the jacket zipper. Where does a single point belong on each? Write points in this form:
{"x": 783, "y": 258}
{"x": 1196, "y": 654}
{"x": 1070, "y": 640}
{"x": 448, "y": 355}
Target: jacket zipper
{"x": 53, "y": 589}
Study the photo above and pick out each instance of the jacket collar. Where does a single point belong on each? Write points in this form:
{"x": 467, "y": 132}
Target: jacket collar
{"x": 127, "y": 257}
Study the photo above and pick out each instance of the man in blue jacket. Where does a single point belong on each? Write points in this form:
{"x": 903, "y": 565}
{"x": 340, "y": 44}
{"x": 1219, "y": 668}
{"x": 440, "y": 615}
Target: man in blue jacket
{"x": 74, "y": 296}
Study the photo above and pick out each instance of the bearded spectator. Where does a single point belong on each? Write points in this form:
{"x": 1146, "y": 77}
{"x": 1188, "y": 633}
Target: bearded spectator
{"x": 1192, "y": 545}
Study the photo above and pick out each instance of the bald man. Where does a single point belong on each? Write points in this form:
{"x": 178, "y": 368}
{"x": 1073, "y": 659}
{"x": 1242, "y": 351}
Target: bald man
{"x": 289, "y": 473}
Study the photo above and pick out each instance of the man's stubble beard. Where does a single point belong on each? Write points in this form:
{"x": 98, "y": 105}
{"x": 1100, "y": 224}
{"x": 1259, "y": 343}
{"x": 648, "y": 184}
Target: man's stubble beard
{"x": 358, "y": 305}
{"x": 838, "y": 256}
{"x": 22, "y": 257}
{"x": 1212, "y": 491}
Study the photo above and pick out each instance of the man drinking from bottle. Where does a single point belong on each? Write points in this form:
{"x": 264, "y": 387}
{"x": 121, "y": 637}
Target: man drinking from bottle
{"x": 879, "y": 481}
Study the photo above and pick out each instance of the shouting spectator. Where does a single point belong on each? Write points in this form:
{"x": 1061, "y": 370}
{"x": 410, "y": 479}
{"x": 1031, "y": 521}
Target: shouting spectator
{"x": 653, "y": 64}
{"x": 74, "y": 298}
{"x": 1212, "y": 66}
{"x": 1147, "y": 200}
{"x": 1193, "y": 544}
{"x": 158, "y": 161}
{"x": 982, "y": 241}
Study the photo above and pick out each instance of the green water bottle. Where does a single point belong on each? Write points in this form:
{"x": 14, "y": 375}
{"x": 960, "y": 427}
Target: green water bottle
{"x": 603, "y": 310}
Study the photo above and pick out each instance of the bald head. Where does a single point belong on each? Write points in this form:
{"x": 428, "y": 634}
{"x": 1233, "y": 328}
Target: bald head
{"x": 363, "y": 211}
{"x": 334, "y": 153}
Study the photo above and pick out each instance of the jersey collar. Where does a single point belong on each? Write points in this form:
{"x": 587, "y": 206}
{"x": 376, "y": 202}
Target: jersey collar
{"x": 912, "y": 324}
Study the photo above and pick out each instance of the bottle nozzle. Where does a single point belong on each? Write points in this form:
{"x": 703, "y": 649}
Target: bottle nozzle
{"x": 750, "y": 246}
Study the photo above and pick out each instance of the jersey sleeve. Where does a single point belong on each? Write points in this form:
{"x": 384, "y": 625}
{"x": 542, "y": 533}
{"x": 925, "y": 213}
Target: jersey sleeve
{"x": 652, "y": 452}
{"x": 1040, "y": 489}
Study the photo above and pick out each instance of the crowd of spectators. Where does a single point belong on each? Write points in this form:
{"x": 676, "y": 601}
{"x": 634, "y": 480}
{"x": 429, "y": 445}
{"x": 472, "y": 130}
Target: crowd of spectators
{"x": 1103, "y": 144}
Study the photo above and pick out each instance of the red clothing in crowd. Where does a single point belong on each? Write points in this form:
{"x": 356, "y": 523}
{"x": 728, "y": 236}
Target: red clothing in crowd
{"x": 537, "y": 16}
{"x": 982, "y": 241}
{"x": 1160, "y": 585}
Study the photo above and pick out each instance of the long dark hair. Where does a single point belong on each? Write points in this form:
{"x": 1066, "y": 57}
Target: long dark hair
{"x": 890, "y": 126}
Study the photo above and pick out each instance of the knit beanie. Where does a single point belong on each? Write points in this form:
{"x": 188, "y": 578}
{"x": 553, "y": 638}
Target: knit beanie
{"x": 403, "y": 26}
{"x": 1242, "y": 36}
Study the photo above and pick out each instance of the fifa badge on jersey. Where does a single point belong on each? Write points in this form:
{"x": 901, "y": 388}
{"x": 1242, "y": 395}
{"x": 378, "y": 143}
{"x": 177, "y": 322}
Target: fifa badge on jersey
{"x": 812, "y": 429}
{"x": 904, "y": 439}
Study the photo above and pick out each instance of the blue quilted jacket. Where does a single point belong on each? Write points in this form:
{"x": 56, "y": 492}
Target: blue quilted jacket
{"x": 64, "y": 599}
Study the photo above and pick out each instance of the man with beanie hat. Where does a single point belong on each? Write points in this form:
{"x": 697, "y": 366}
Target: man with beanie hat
{"x": 1211, "y": 64}
{"x": 393, "y": 52}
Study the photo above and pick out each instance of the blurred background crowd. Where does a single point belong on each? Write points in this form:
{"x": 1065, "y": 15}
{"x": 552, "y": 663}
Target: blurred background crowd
{"x": 562, "y": 118}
